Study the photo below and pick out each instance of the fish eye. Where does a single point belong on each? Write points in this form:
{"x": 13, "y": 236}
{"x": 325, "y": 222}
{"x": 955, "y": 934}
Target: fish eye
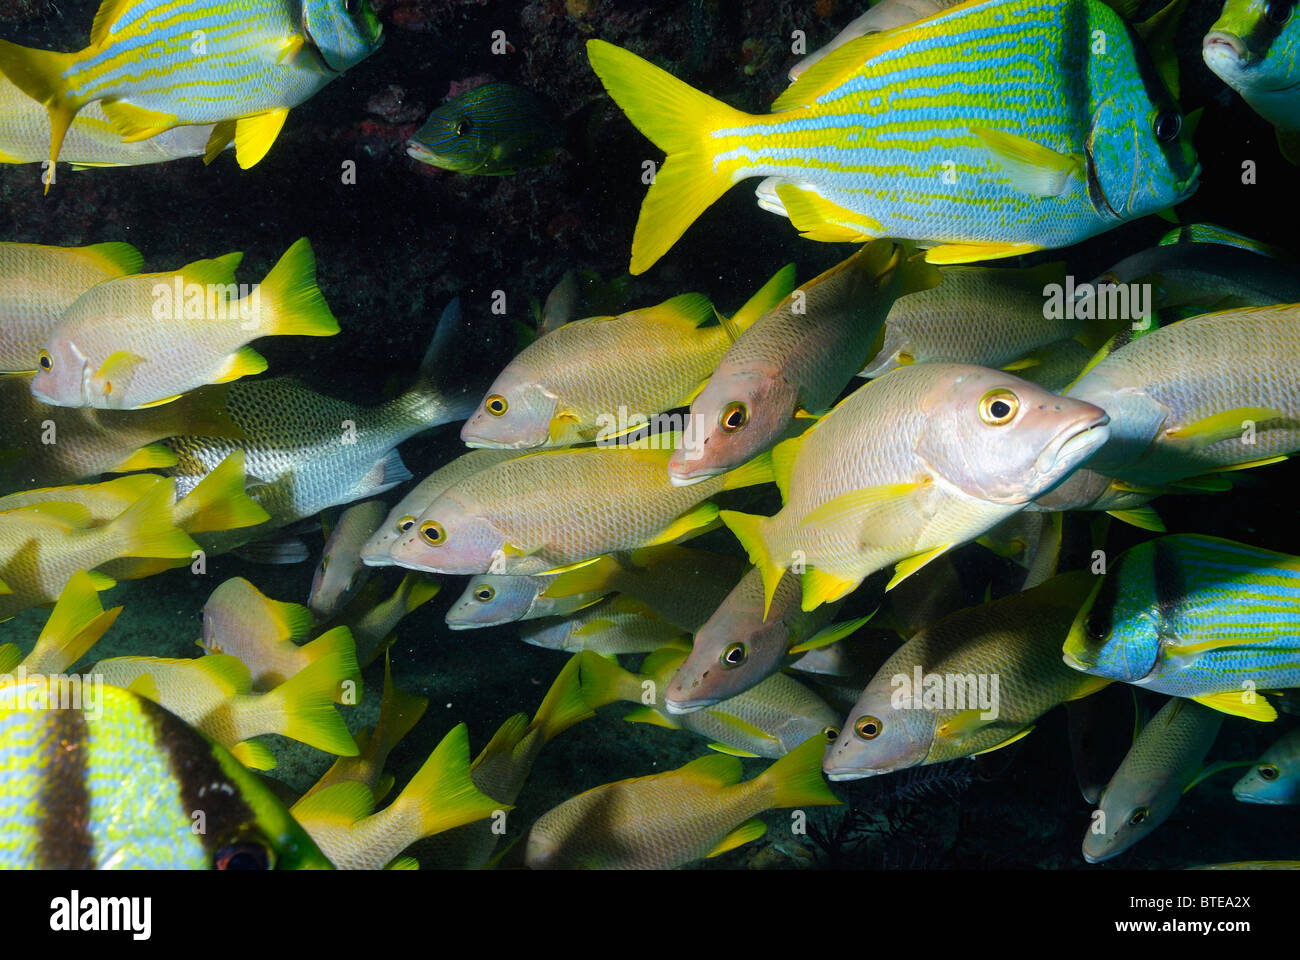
{"x": 433, "y": 533}
{"x": 734, "y": 416}
{"x": 1138, "y": 816}
{"x": 868, "y": 727}
{"x": 998, "y": 407}
{"x": 1269, "y": 771}
{"x": 45, "y": 360}
{"x": 831, "y": 734}
{"x": 406, "y": 523}
{"x": 463, "y": 127}
{"x": 1167, "y": 126}
{"x": 1096, "y": 628}
{"x": 243, "y": 855}
{"x": 485, "y": 593}
{"x": 496, "y": 405}
{"x": 1278, "y": 12}
{"x": 734, "y": 655}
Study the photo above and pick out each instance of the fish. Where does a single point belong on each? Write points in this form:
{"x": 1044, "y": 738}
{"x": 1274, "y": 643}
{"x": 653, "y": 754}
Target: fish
{"x": 975, "y": 682}
{"x": 885, "y": 15}
{"x": 242, "y": 622}
{"x": 618, "y": 624}
{"x": 75, "y": 624}
{"x": 561, "y": 305}
{"x": 794, "y": 361}
{"x": 94, "y": 762}
{"x": 768, "y": 720}
{"x": 1160, "y": 766}
{"x": 854, "y": 151}
{"x": 144, "y": 340}
{"x": 668, "y": 820}
{"x": 403, "y": 516}
{"x": 91, "y": 141}
{"x": 490, "y": 600}
{"x": 492, "y": 130}
{"x": 264, "y": 59}
{"x": 1053, "y": 367}
{"x": 1207, "y": 619}
{"x": 547, "y": 510}
{"x": 213, "y": 694}
{"x": 1101, "y": 732}
{"x": 1252, "y": 48}
{"x": 340, "y": 571}
{"x": 37, "y": 283}
{"x": 1275, "y": 778}
{"x": 441, "y": 796}
{"x": 372, "y": 623}
{"x": 909, "y": 466}
{"x": 43, "y": 545}
{"x": 597, "y": 378}
{"x": 1207, "y": 393}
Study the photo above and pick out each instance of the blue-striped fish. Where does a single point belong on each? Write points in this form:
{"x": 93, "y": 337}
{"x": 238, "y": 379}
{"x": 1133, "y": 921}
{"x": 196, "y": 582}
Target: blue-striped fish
{"x": 988, "y": 130}
{"x": 492, "y": 130}
{"x": 1211, "y": 620}
{"x": 153, "y": 65}
{"x": 99, "y": 778}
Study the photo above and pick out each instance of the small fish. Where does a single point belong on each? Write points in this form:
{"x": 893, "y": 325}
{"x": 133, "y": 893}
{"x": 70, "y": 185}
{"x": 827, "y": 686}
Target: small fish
{"x": 1161, "y": 765}
{"x": 372, "y": 624}
{"x": 493, "y": 130}
{"x": 668, "y": 820}
{"x": 257, "y": 61}
{"x": 143, "y": 340}
{"x": 441, "y": 796}
{"x": 341, "y": 571}
{"x": 403, "y": 516}
{"x": 213, "y": 694}
{"x": 1197, "y": 617}
{"x": 1276, "y": 777}
{"x": 768, "y": 720}
{"x": 909, "y": 466}
{"x": 853, "y": 149}
{"x": 91, "y": 141}
{"x": 885, "y": 15}
{"x": 127, "y": 748}
{"x": 38, "y": 283}
{"x": 490, "y": 600}
{"x": 927, "y": 704}
{"x": 548, "y": 510}
{"x": 794, "y": 361}
{"x": 570, "y": 385}
{"x": 615, "y": 625}
{"x": 1252, "y": 48}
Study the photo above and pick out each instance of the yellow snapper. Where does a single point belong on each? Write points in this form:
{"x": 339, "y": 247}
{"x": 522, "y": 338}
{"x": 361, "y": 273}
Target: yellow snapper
{"x": 38, "y": 283}
{"x": 441, "y": 796}
{"x": 77, "y": 621}
{"x": 671, "y": 819}
{"x": 975, "y": 681}
{"x": 570, "y": 385}
{"x": 91, "y": 141}
{"x": 241, "y": 66}
{"x": 768, "y": 720}
{"x": 615, "y": 625}
{"x": 1160, "y": 766}
{"x": 340, "y": 571}
{"x": 213, "y": 694}
{"x": 912, "y": 464}
{"x": 144, "y": 340}
{"x": 548, "y": 510}
{"x": 43, "y": 545}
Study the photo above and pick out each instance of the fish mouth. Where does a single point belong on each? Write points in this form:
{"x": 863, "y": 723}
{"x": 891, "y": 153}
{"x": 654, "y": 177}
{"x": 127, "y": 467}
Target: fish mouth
{"x": 679, "y": 707}
{"x": 497, "y": 445}
{"x": 1074, "y": 447}
{"x": 680, "y": 481}
{"x": 1221, "y": 45}
{"x": 843, "y": 774}
{"x": 419, "y": 151}
{"x": 1263, "y": 801}
{"x": 1072, "y": 661}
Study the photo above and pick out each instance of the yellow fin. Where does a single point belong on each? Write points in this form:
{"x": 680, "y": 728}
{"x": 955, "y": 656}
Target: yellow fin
{"x": 730, "y": 750}
{"x": 441, "y": 795}
{"x": 692, "y": 521}
{"x": 10, "y": 657}
{"x": 784, "y": 455}
{"x": 117, "y": 370}
{"x": 820, "y": 586}
{"x": 564, "y": 704}
{"x": 77, "y": 621}
{"x": 1007, "y": 742}
{"x": 121, "y": 259}
{"x": 854, "y": 506}
{"x": 905, "y": 568}
{"x": 742, "y": 727}
{"x": 108, "y": 14}
{"x": 796, "y": 779}
{"x": 1144, "y": 518}
{"x": 289, "y": 49}
{"x": 1231, "y": 703}
{"x": 594, "y": 626}
{"x": 1033, "y": 168}
{"x": 145, "y": 686}
{"x": 564, "y": 417}
{"x": 690, "y": 310}
{"x": 340, "y": 804}
{"x": 254, "y": 135}
{"x": 1227, "y": 425}
{"x": 832, "y": 634}
{"x": 564, "y": 568}
{"x": 831, "y": 71}
{"x": 743, "y": 834}
{"x": 747, "y": 529}
{"x": 219, "y": 502}
{"x": 718, "y": 770}
{"x": 146, "y": 527}
{"x": 134, "y": 123}
{"x": 750, "y": 473}
{"x": 817, "y": 218}
{"x": 307, "y": 704}
{"x": 583, "y": 578}
{"x": 244, "y": 362}
{"x": 222, "y": 136}
{"x": 153, "y": 456}
{"x": 254, "y": 754}
{"x": 973, "y": 252}
{"x": 39, "y": 74}
{"x": 404, "y": 863}
{"x": 651, "y": 716}
{"x": 768, "y": 297}
{"x": 102, "y": 581}
{"x": 291, "y": 302}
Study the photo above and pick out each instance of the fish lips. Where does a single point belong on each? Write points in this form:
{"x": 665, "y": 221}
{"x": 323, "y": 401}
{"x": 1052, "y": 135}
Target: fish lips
{"x": 1071, "y": 449}
{"x": 1221, "y": 49}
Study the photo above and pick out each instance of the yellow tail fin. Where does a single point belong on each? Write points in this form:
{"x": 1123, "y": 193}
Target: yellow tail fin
{"x": 219, "y": 502}
{"x": 678, "y": 119}
{"x": 564, "y": 705}
{"x": 768, "y": 297}
{"x": 39, "y": 74}
{"x": 796, "y": 779}
{"x": 291, "y": 303}
{"x": 604, "y": 681}
{"x": 77, "y": 621}
{"x": 146, "y": 528}
{"x": 441, "y": 796}
{"x": 748, "y": 529}
{"x": 306, "y": 703}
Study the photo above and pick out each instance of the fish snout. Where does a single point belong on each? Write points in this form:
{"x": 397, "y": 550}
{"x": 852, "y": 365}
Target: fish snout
{"x": 1224, "y": 47}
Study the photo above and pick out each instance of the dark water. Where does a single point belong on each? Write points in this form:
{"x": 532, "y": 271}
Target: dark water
{"x": 397, "y": 244}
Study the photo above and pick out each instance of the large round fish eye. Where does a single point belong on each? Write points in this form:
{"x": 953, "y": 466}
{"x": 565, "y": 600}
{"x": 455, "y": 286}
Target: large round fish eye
{"x": 433, "y": 533}
{"x": 484, "y": 593}
{"x": 1167, "y": 126}
{"x": 999, "y": 407}
{"x": 734, "y": 416}
{"x": 1096, "y": 628}
{"x": 1269, "y": 771}
{"x": 45, "y": 360}
{"x": 868, "y": 727}
{"x": 464, "y": 126}
{"x": 496, "y": 405}
{"x": 1278, "y": 12}
{"x": 1138, "y": 816}
{"x": 734, "y": 655}
{"x": 406, "y": 523}
{"x": 831, "y": 734}
{"x": 242, "y": 855}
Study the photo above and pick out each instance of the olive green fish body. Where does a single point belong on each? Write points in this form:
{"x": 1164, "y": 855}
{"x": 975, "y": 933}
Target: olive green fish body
{"x": 492, "y": 130}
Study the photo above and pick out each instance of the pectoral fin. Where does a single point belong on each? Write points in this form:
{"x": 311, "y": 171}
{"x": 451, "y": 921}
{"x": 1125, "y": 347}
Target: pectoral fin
{"x": 747, "y": 831}
{"x": 1033, "y": 168}
{"x": 1227, "y": 425}
{"x": 134, "y": 123}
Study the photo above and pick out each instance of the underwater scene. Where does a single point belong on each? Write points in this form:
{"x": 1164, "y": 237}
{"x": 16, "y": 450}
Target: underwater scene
{"x": 781, "y": 435}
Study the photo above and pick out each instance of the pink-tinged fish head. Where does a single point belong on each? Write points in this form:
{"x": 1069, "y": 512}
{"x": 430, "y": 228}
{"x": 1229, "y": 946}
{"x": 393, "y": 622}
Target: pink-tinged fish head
{"x": 343, "y": 32}
{"x": 451, "y": 537}
{"x": 1140, "y": 159}
{"x": 888, "y": 729}
{"x": 1002, "y": 439}
{"x": 516, "y": 413}
{"x": 742, "y": 411}
{"x": 63, "y": 375}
